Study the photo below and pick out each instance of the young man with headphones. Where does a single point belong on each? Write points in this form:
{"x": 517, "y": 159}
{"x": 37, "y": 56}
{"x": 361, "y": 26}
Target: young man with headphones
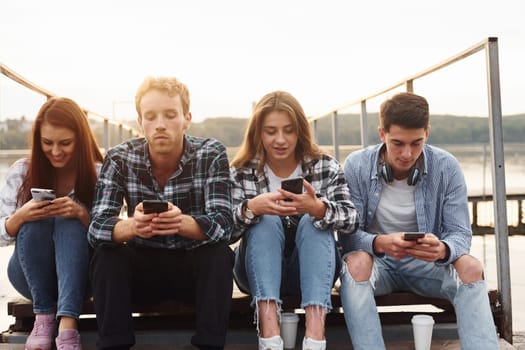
{"x": 405, "y": 185}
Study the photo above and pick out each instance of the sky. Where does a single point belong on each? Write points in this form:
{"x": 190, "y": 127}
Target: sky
{"x": 231, "y": 52}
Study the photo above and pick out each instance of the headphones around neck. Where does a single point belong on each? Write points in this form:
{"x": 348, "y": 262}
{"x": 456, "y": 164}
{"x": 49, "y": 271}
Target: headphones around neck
{"x": 388, "y": 175}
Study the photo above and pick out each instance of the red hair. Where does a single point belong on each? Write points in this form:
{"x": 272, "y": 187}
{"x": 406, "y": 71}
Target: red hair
{"x": 65, "y": 113}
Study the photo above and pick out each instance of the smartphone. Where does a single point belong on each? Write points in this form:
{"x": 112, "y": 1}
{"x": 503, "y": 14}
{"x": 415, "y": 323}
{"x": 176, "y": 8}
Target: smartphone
{"x": 154, "y": 206}
{"x": 294, "y": 185}
{"x": 413, "y": 236}
{"x": 42, "y": 194}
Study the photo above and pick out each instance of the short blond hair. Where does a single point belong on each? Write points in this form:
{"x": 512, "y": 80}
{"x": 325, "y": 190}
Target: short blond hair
{"x": 169, "y": 85}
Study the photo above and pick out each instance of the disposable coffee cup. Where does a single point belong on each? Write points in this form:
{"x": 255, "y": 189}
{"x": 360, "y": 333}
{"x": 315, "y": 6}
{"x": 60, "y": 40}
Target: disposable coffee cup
{"x": 422, "y": 326}
{"x": 289, "y": 322}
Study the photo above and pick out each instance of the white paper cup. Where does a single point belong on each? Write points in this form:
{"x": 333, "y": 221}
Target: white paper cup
{"x": 289, "y": 322}
{"x": 422, "y": 326}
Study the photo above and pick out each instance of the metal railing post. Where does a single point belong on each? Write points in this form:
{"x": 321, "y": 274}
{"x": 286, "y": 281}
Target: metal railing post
{"x": 315, "y": 131}
{"x": 106, "y": 135}
{"x": 498, "y": 182}
{"x": 120, "y": 133}
{"x": 409, "y": 86}
{"x": 364, "y": 124}
{"x": 335, "y": 137}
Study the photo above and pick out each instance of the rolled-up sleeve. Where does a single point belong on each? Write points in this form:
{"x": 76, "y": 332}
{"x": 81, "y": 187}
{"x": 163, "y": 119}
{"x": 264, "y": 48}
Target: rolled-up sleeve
{"x": 341, "y": 214}
{"x": 217, "y": 220}
{"x": 107, "y": 203}
{"x": 8, "y": 197}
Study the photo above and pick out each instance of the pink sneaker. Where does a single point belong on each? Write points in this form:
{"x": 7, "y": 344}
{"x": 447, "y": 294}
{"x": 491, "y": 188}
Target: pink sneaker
{"x": 68, "y": 339}
{"x": 41, "y": 337}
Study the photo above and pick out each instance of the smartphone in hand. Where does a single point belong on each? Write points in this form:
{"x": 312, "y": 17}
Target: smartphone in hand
{"x": 154, "y": 206}
{"x": 42, "y": 194}
{"x": 294, "y": 185}
{"x": 413, "y": 236}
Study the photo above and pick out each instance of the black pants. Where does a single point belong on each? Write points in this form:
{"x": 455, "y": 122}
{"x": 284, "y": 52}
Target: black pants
{"x": 123, "y": 274}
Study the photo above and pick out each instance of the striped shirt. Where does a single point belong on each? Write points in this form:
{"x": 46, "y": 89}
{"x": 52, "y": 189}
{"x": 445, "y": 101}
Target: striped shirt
{"x": 324, "y": 174}
{"x": 200, "y": 187}
{"x": 440, "y": 198}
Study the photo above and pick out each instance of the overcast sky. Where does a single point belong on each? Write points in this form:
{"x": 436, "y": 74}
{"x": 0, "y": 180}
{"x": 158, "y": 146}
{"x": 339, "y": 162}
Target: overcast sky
{"x": 230, "y": 53}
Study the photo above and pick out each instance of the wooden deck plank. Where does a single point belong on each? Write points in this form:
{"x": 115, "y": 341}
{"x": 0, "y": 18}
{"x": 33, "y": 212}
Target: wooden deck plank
{"x": 21, "y": 309}
{"x": 173, "y": 317}
{"x": 392, "y": 345}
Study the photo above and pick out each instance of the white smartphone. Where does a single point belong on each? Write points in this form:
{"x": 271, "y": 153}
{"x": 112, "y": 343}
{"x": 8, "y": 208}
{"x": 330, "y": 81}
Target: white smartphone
{"x": 42, "y": 194}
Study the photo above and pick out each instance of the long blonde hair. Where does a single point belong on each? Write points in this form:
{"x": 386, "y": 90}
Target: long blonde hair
{"x": 252, "y": 146}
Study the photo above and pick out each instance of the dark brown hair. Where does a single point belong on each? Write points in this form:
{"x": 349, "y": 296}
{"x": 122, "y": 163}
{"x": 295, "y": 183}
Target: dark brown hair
{"x": 65, "y": 113}
{"x": 407, "y": 110}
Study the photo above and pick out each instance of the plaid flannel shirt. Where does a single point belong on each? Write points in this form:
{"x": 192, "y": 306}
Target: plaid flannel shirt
{"x": 200, "y": 187}
{"x": 324, "y": 174}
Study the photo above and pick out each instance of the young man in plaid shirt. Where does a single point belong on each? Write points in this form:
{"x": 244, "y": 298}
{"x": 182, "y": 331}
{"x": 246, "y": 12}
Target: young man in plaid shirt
{"x": 181, "y": 253}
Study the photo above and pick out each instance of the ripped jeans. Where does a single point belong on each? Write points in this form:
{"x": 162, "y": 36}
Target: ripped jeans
{"x": 262, "y": 270}
{"x": 475, "y": 324}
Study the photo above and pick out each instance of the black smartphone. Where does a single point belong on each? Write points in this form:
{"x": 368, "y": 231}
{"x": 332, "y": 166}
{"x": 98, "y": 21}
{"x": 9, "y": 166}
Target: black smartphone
{"x": 42, "y": 194}
{"x": 413, "y": 236}
{"x": 294, "y": 185}
{"x": 154, "y": 206}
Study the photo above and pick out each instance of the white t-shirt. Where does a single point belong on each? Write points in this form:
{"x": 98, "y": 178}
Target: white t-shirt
{"x": 274, "y": 181}
{"x": 396, "y": 211}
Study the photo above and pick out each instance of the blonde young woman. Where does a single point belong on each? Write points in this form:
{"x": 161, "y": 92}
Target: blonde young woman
{"x": 288, "y": 245}
{"x": 50, "y": 261}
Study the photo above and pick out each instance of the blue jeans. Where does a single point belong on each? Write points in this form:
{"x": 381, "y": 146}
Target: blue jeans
{"x": 262, "y": 270}
{"x": 475, "y": 324}
{"x": 50, "y": 265}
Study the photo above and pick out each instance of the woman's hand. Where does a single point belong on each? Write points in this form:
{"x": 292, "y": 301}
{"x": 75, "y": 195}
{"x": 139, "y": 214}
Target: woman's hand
{"x": 64, "y": 207}
{"x": 67, "y": 208}
{"x": 32, "y": 211}
{"x": 39, "y": 210}
{"x": 270, "y": 203}
{"x": 306, "y": 202}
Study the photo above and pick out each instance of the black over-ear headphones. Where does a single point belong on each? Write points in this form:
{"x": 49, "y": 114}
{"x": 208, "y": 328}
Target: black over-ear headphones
{"x": 388, "y": 176}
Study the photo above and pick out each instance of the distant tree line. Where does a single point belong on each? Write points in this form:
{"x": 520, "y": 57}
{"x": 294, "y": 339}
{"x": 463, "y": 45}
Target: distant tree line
{"x": 445, "y": 129}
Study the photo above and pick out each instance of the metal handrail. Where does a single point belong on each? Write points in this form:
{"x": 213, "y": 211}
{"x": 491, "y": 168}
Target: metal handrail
{"x": 132, "y": 132}
{"x": 490, "y": 46}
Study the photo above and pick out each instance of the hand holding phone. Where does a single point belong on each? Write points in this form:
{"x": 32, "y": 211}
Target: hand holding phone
{"x": 42, "y": 194}
{"x": 154, "y": 206}
{"x": 294, "y": 185}
{"x": 413, "y": 236}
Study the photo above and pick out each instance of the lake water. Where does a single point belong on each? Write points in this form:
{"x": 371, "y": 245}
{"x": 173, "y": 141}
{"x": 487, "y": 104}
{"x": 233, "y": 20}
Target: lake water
{"x": 475, "y": 163}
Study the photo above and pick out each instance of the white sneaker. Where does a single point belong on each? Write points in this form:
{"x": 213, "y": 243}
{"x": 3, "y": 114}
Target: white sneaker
{"x": 272, "y": 343}
{"x": 312, "y": 344}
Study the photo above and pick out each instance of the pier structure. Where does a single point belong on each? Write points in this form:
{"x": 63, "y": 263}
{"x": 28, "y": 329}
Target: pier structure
{"x": 500, "y": 300}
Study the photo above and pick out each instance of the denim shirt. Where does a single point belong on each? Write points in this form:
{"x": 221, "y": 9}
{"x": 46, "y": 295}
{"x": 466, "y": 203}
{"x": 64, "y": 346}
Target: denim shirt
{"x": 440, "y": 198}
